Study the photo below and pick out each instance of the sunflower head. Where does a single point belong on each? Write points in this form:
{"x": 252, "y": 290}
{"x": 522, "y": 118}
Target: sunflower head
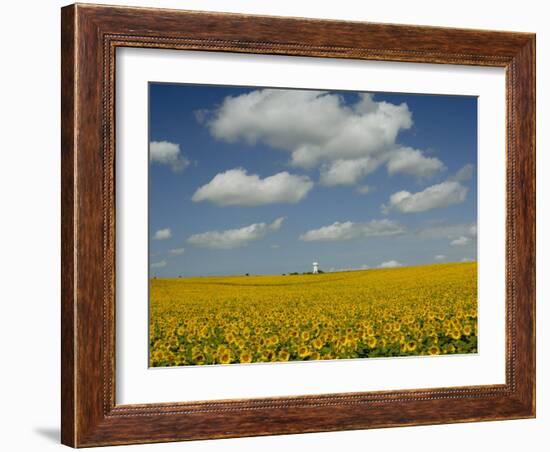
{"x": 315, "y": 356}
{"x": 284, "y": 355}
{"x": 199, "y": 359}
{"x": 246, "y": 357}
{"x": 317, "y": 343}
{"x": 225, "y": 357}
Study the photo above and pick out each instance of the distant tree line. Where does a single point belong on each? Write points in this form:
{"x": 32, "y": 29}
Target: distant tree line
{"x": 304, "y": 273}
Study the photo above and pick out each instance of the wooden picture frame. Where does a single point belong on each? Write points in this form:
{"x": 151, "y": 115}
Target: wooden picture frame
{"x": 90, "y": 36}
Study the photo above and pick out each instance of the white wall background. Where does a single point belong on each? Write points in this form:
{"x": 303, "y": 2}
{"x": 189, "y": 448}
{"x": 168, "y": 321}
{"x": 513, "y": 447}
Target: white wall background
{"x": 29, "y": 250}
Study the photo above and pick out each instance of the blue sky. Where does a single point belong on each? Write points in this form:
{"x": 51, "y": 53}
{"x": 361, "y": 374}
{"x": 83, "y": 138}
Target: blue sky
{"x": 266, "y": 181}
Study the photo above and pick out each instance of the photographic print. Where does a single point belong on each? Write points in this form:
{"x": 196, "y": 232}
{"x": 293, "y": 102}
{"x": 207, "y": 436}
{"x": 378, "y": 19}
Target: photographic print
{"x": 295, "y": 204}
{"x": 302, "y": 225}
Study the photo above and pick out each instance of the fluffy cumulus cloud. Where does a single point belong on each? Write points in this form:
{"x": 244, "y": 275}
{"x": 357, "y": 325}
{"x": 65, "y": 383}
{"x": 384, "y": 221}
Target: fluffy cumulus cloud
{"x": 167, "y": 153}
{"x": 464, "y": 174}
{"x": 160, "y": 264}
{"x": 234, "y": 238}
{"x": 319, "y": 128}
{"x": 434, "y": 197}
{"x": 237, "y": 188}
{"x": 464, "y": 234}
{"x": 440, "y": 257}
{"x": 347, "y": 172}
{"x": 415, "y": 163}
{"x": 346, "y": 141}
{"x": 461, "y": 241}
{"x": 176, "y": 251}
{"x": 390, "y": 264}
{"x": 349, "y": 230}
{"x": 162, "y": 234}
{"x": 448, "y": 231}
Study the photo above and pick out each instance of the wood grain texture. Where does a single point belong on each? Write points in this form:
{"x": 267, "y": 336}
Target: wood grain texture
{"x": 90, "y": 36}
{"x": 68, "y": 310}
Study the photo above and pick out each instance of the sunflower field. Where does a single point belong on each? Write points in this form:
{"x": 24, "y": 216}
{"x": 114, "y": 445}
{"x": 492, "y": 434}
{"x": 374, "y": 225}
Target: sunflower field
{"x": 423, "y": 310}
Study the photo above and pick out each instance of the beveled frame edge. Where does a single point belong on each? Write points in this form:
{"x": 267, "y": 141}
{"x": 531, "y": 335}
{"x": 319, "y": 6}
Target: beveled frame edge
{"x": 90, "y": 35}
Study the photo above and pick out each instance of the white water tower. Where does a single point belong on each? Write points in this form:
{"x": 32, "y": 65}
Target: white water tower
{"x": 315, "y": 268}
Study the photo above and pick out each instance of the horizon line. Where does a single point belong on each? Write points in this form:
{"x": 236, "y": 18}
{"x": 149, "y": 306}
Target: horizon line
{"x": 294, "y": 273}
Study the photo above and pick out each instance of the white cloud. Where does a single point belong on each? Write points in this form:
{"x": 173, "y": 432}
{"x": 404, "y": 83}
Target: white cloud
{"x": 319, "y": 129}
{"x": 167, "y": 153}
{"x": 346, "y": 172}
{"x": 434, "y": 197}
{"x": 390, "y": 264}
{"x": 448, "y": 231}
{"x": 163, "y": 234}
{"x": 160, "y": 264}
{"x": 364, "y": 189}
{"x": 237, "y": 188}
{"x": 457, "y": 234}
{"x": 201, "y": 115}
{"x": 176, "y": 251}
{"x": 275, "y": 246}
{"x": 349, "y": 230}
{"x": 467, "y": 259}
{"x": 277, "y": 223}
{"x": 413, "y": 162}
{"x": 460, "y": 241}
{"x": 440, "y": 257}
{"x": 234, "y": 238}
{"x": 463, "y": 174}
{"x": 313, "y": 126}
